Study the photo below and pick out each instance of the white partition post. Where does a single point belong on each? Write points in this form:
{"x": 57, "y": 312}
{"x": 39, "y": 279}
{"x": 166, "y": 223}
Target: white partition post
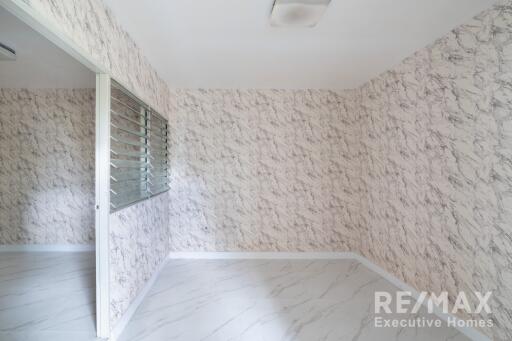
{"x": 102, "y": 204}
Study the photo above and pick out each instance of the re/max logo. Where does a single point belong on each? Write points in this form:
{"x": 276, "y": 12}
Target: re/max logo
{"x": 404, "y": 302}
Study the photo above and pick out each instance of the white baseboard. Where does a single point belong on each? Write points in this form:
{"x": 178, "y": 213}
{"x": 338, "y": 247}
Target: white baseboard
{"x": 471, "y": 333}
{"x": 261, "y": 255}
{"x": 123, "y": 321}
{"x": 47, "y": 248}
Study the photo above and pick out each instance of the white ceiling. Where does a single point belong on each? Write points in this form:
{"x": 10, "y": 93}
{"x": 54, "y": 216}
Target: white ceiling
{"x": 230, "y": 44}
{"x": 39, "y": 63}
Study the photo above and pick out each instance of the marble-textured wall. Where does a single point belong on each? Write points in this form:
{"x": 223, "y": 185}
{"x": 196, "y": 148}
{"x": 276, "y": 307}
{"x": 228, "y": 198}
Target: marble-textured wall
{"x": 47, "y": 166}
{"x": 143, "y": 229}
{"x": 93, "y": 28}
{"x": 269, "y": 170}
{"x": 437, "y": 165}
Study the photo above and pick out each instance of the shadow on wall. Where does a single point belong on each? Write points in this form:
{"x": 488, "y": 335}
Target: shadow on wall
{"x": 47, "y": 173}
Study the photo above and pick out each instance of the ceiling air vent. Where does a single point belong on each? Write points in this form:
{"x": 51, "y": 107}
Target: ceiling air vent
{"x": 298, "y": 13}
{"x": 6, "y": 53}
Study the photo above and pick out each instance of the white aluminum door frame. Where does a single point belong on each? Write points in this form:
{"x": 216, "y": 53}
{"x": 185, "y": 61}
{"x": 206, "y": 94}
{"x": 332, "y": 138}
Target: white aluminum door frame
{"x": 102, "y": 204}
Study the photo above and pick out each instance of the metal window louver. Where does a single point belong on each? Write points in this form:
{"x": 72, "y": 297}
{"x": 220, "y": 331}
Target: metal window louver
{"x": 138, "y": 150}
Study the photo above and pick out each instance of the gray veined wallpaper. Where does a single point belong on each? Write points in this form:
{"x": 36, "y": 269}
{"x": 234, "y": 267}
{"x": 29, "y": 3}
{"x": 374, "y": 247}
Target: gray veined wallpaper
{"x": 270, "y": 170}
{"x": 47, "y": 173}
{"x": 139, "y": 241}
{"x": 437, "y": 165}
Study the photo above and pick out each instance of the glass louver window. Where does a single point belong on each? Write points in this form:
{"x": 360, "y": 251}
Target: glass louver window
{"x": 138, "y": 150}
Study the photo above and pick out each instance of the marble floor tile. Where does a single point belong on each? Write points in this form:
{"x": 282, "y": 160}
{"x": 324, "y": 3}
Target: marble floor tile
{"x": 269, "y": 300}
{"x": 47, "y": 296}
